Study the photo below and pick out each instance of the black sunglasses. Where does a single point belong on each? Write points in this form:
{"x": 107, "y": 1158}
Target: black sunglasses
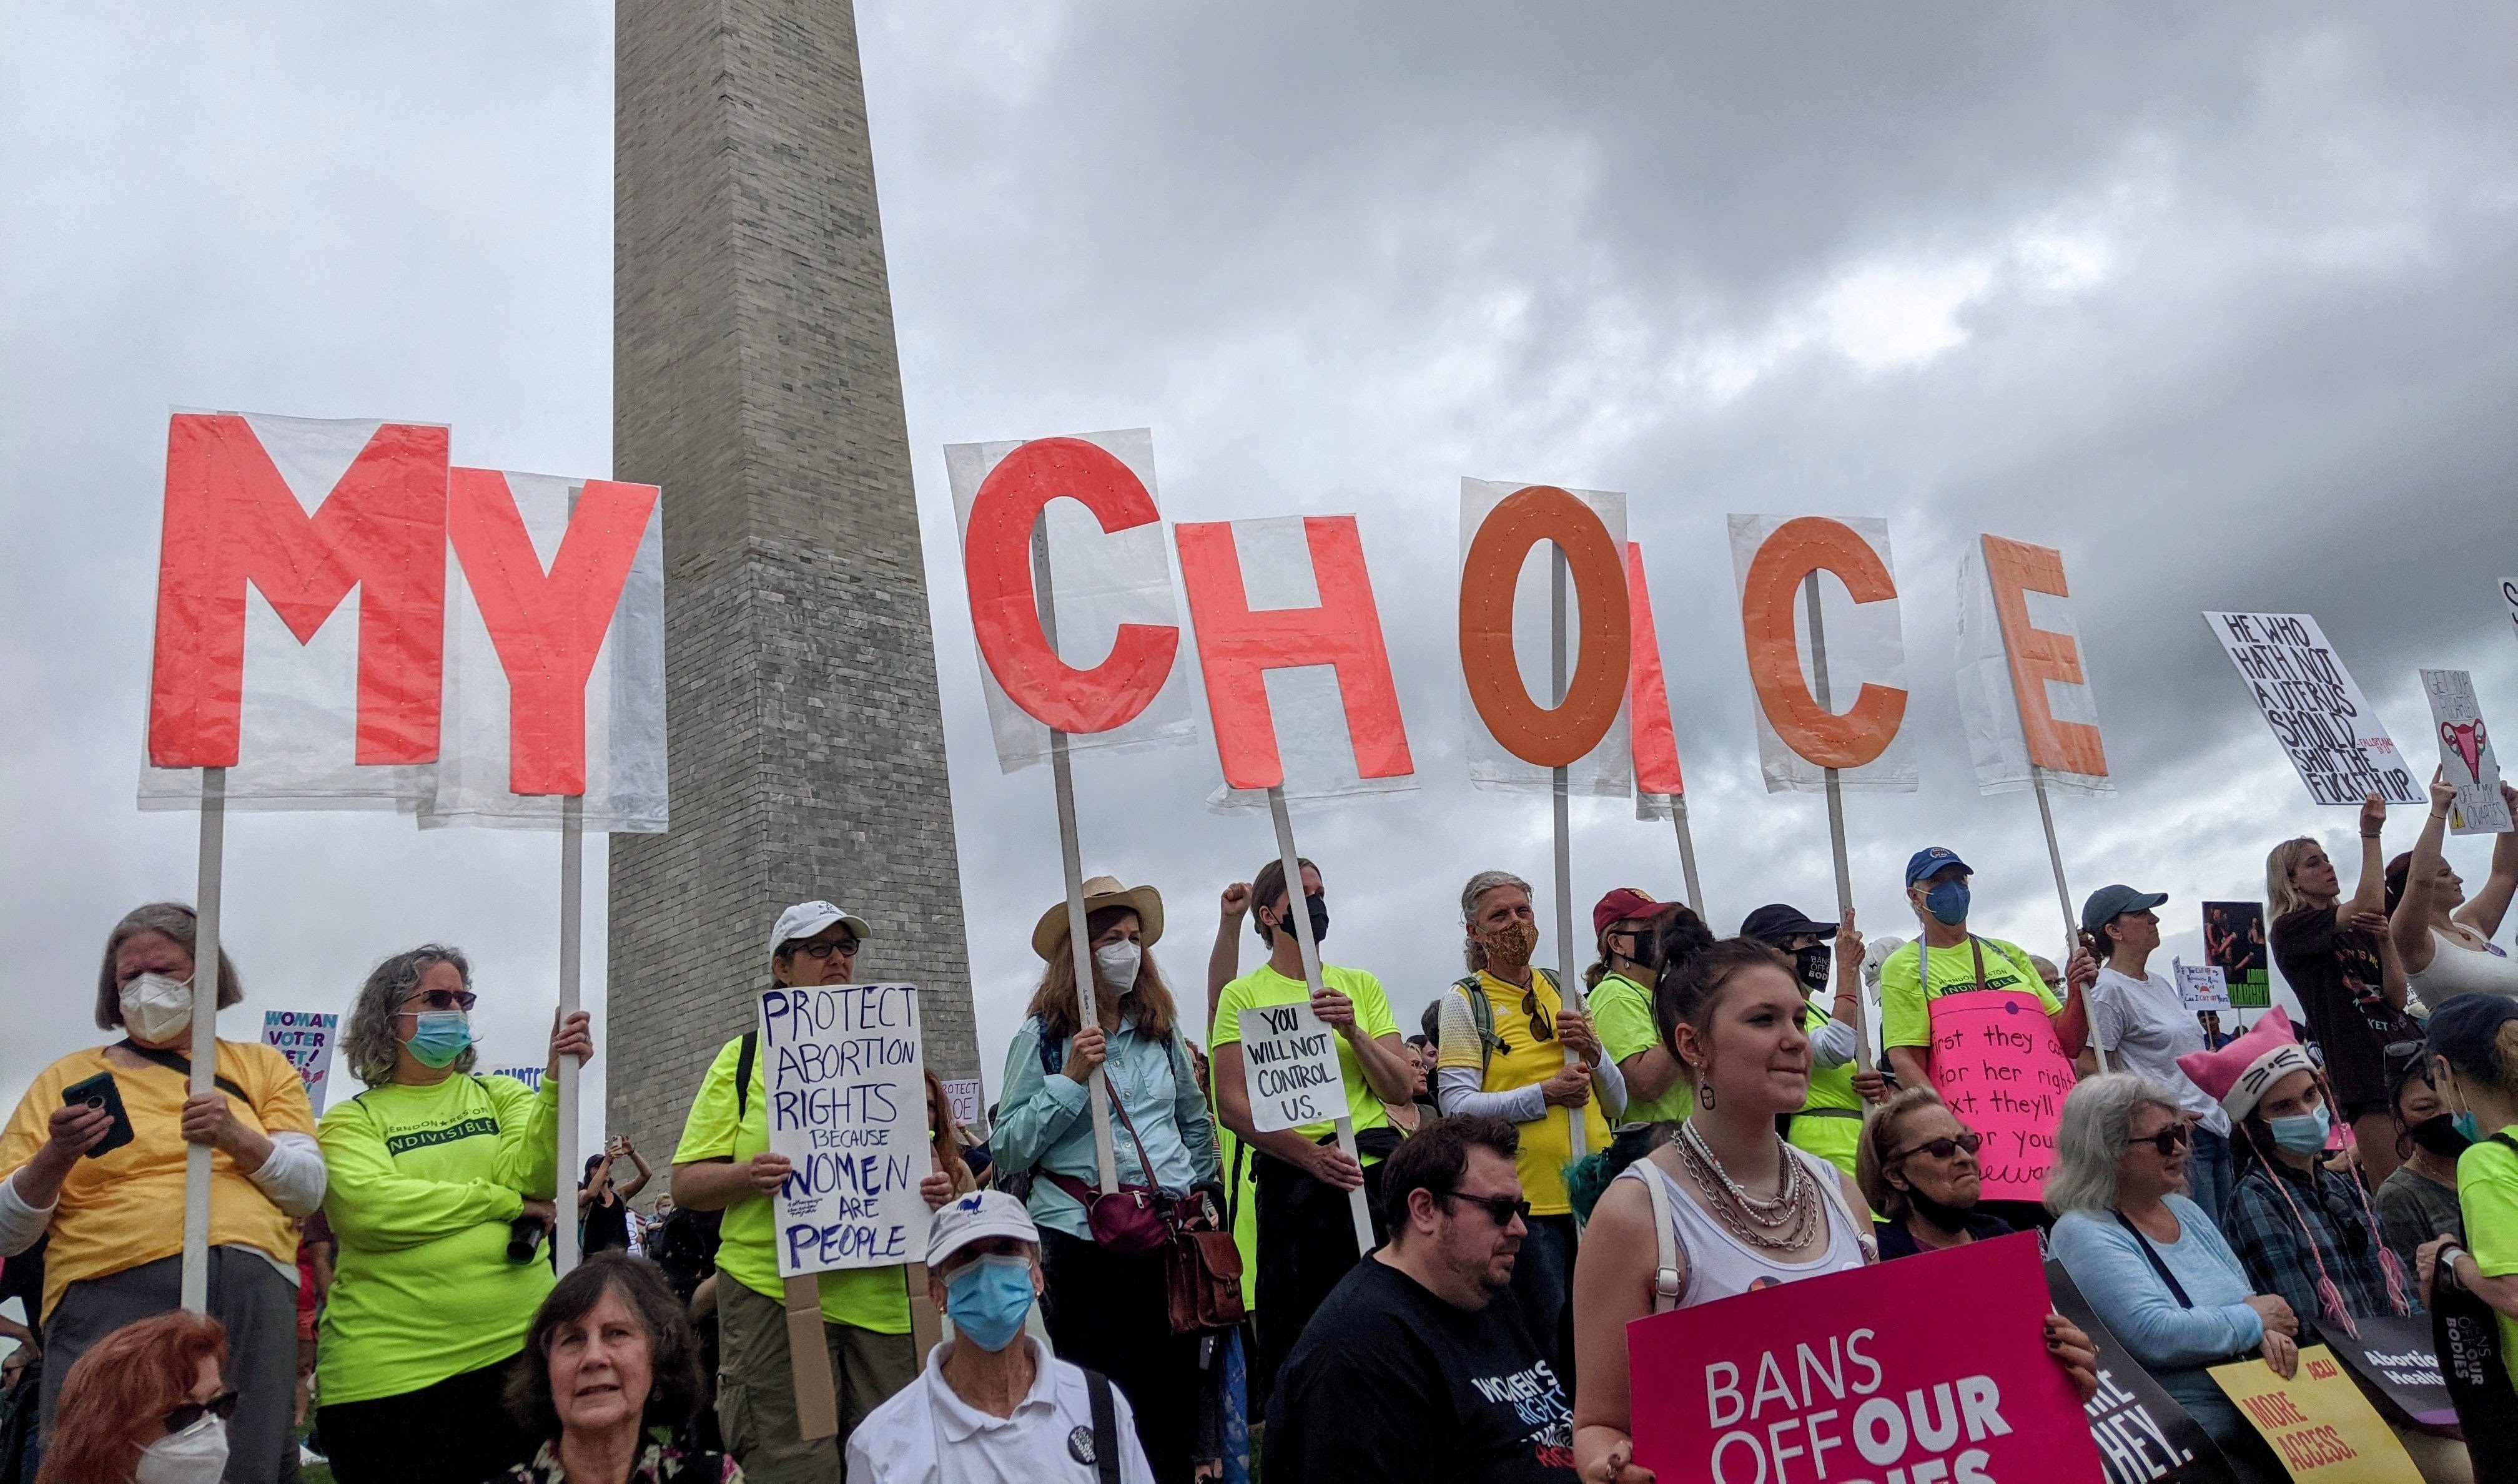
{"x": 2398, "y": 1055}
{"x": 221, "y": 1406}
{"x": 821, "y": 948}
{"x": 1540, "y": 1026}
{"x": 2167, "y": 1141}
{"x": 443, "y": 999}
{"x": 1503, "y": 1208}
{"x": 1942, "y": 1149}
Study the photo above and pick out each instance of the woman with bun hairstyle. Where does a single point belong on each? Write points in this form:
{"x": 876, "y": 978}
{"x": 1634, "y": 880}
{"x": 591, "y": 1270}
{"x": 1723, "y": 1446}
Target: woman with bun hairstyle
{"x": 1726, "y": 1204}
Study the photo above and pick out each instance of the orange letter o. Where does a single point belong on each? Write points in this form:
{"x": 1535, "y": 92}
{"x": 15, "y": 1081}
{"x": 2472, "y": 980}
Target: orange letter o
{"x": 1560, "y": 736}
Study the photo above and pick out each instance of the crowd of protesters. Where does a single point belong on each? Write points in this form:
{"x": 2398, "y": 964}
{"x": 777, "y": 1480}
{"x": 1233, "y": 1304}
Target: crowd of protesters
{"x": 1542, "y": 1163}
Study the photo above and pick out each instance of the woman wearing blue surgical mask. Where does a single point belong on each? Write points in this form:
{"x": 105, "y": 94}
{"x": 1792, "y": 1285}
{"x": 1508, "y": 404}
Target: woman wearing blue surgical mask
{"x": 1108, "y": 1303}
{"x": 110, "y": 1191}
{"x": 442, "y": 1189}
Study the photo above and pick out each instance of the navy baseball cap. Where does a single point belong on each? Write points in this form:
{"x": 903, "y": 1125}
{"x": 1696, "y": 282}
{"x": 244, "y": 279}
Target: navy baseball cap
{"x": 1780, "y": 924}
{"x": 2466, "y": 1031}
{"x": 1932, "y": 858}
{"x": 2108, "y": 902}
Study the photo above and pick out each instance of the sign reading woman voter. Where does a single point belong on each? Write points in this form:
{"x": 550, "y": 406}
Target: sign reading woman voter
{"x": 847, "y": 1107}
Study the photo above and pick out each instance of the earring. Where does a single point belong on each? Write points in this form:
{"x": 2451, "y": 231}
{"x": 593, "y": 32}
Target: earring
{"x": 1705, "y": 1096}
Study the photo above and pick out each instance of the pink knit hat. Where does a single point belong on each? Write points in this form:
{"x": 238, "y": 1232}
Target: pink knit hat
{"x": 2238, "y": 1073}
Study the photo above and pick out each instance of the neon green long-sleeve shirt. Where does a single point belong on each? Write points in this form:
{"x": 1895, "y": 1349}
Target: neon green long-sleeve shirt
{"x": 425, "y": 1182}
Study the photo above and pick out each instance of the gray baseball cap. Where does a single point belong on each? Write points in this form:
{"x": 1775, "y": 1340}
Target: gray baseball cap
{"x": 2108, "y": 902}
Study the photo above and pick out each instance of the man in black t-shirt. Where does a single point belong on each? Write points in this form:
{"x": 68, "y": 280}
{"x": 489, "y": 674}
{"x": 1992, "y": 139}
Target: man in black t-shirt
{"x": 1418, "y": 1365}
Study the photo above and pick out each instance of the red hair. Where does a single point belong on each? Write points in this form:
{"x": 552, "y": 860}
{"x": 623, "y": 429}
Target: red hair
{"x": 123, "y": 1385}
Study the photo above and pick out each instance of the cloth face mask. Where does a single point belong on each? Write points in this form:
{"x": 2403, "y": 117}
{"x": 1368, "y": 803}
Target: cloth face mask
{"x": 1811, "y": 963}
{"x": 1118, "y": 963}
{"x": 156, "y": 1008}
{"x": 440, "y": 1036}
{"x": 988, "y": 1300}
{"x": 1509, "y": 947}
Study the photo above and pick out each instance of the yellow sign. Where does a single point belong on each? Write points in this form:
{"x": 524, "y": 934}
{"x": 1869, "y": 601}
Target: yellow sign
{"x": 2320, "y": 1426}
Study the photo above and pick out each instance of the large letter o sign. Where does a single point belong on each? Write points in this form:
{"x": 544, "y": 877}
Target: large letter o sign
{"x": 1560, "y": 736}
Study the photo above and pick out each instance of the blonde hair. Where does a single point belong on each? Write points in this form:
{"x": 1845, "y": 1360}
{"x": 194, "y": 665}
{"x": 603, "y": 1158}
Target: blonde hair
{"x": 2280, "y": 896}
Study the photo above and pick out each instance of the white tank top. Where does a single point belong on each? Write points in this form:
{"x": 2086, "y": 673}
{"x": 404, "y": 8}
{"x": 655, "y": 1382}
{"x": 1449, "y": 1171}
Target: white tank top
{"x": 1720, "y": 1265}
{"x": 2456, "y": 969}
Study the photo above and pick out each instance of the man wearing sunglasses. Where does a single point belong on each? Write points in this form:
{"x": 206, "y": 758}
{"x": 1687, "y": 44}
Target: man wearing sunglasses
{"x": 1419, "y": 1364}
{"x": 723, "y": 1164}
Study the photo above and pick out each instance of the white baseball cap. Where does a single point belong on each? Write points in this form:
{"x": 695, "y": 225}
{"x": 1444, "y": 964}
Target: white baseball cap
{"x": 806, "y": 918}
{"x": 976, "y": 1217}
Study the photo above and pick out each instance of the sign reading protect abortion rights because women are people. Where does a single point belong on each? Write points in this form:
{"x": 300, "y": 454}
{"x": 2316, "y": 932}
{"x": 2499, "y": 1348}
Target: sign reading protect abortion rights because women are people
{"x": 847, "y": 1106}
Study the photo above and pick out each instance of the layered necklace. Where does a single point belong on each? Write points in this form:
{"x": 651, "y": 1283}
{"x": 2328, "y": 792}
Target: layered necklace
{"x": 1779, "y": 1223}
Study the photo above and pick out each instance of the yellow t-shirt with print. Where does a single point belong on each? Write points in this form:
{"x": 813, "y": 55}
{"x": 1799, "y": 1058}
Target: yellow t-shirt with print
{"x": 874, "y": 1299}
{"x": 125, "y": 1207}
{"x": 1524, "y": 1060}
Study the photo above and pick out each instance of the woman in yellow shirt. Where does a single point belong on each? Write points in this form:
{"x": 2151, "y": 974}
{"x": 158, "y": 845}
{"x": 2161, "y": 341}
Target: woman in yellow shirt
{"x": 116, "y": 1216}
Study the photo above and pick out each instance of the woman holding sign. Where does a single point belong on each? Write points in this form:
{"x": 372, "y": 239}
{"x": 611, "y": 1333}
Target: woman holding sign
{"x": 1726, "y": 1206}
{"x": 2444, "y": 939}
{"x": 1108, "y": 1306}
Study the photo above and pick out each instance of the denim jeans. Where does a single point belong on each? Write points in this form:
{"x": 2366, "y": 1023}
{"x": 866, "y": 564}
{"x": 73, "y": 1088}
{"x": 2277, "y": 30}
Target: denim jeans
{"x": 2208, "y": 1176}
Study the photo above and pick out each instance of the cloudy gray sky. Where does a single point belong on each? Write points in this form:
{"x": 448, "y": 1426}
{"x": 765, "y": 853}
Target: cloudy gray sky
{"x": 2217, "y": 302}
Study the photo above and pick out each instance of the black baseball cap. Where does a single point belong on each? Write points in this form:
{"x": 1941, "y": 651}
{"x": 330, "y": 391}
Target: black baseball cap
{"x": 1779, "y": 925}
{"x": 2466, "y": 1031}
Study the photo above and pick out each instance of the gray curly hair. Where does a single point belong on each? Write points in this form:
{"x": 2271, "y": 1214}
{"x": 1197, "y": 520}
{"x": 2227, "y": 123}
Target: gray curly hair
{"x": 2096, "y": 1130}
{"x": 1479, "y": 885}
{"x": 177, "y": 924}
{"x": 370, "y": 1041}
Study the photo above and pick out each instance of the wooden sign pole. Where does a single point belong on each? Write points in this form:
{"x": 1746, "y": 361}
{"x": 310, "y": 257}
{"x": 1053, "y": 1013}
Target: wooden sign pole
{"x": 1358, "y": 1204}
{"x": 1687, "y": 853}
{"x": 1834, "y": 809}
{"x": 196, "y": 1282}
{"x": 1568, "y": 982}
{"x": 572, "y": 943}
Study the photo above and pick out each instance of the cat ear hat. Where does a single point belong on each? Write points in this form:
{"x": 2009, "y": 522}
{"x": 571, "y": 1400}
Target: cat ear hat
{"x": 2236, "y": 1074}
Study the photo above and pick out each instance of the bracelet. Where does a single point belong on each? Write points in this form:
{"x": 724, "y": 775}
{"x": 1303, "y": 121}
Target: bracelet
{"x": 2367, "y": 835}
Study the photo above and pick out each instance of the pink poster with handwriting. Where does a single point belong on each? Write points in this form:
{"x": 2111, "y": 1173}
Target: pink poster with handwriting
{"x": 1998, "y": 1065}
{"x": 1860, "y": 1378}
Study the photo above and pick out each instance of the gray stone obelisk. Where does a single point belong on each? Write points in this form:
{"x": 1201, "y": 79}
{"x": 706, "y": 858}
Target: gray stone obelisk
{"x": 756, "y": 379}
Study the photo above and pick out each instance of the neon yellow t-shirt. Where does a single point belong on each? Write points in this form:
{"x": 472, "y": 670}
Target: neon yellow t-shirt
{"x": 873, "y": 1298}
{"x": 1525, "y": 1060}
{"x": 1622, "y": 1013}
{"x": 1263, "y": 986}
{"x": 125, "y": 1207}
{"x": 424, "y": 1181}
{"x": 2487, "y": 1189}
{"x": 1903, "y": 1012}
{"x": 1832, "y": 1138}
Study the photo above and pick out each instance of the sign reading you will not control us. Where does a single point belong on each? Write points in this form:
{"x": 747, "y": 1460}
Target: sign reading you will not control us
{"x": 1290, "y": 1061}
{"x": 846, "y": 1103}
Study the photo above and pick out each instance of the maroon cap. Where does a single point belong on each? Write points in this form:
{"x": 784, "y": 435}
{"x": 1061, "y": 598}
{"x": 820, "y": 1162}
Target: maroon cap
{"x": 1620, "y": 905}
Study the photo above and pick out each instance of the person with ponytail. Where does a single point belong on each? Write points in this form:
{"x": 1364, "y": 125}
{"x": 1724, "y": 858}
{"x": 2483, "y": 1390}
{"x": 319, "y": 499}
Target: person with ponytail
{"x": 1830, "y": 1123}
{"x": 1725, "y": 1206}
{"x": 2472, "y": 1051}
{"x": 2301, "y": 1230}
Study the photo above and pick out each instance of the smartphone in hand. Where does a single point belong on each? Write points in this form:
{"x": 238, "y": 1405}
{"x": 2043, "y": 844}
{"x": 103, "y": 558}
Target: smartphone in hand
{"x": 100, "y": 1091}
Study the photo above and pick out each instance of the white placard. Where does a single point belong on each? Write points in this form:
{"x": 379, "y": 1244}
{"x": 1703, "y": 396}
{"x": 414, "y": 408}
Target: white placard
{"x": 2465, "y": 754}
{"x": 848, "y": 1104}
{"x": 2510, "y": 596}
{"x": 965, "y": 1099}
{"x": 2202, "y": 986}
{"x": 307, "y": 1039}
{"x": 2319, "y": 715}
{"x": 1290, "y": 1060}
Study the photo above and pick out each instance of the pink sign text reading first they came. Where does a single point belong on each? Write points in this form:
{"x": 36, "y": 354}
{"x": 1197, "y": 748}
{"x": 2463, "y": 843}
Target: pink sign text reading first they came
{"x": 1998, "y": 1065}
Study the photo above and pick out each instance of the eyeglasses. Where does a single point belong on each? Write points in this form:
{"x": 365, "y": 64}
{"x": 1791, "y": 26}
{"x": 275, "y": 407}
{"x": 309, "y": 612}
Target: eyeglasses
{"x": 2167, "y": 1141}
{"x": 443, "y": 999}
{"x": 1942, "y": 1149}
{"x": 821, "y": 948}
{"x": 1540, "y": 1026}
{"x": 1502, "y": 1208}
{"x": 221, "y": 1406}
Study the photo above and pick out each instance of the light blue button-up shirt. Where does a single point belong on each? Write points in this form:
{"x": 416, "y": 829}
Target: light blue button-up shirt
{"x": 1043, "y": 1122}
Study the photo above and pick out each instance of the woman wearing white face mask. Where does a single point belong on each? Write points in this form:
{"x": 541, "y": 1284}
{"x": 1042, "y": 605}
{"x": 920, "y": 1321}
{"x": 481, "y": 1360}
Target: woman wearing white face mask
{"x": 442, "y": 1190}
{"x": 115, "y": 1213}
{"x": 1109, "y": 1310}
{"x": 147, "y": 1403}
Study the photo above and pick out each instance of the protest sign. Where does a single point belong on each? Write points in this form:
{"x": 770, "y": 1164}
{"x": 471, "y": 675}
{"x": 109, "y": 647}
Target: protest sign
{"x": 2510, "y": 597}
{"x": 2201, "y": 986}
{"x": 1526, "y": 713}
{"x": 1866, "y": 1366}
{"x": 2465, "y": 754}
{"x": 530, "y": 1076}
{"x": 848, "y": 1104}
{"x": 2233, "y": 941}
{"x": 1661, "y": 789}
{"x": 2023, "y": 695}
{"x": 2316, "y": 710}
{"x": 1802, "y": 732}
{"x": 307, "y": 1039}
{"x": 1290, "y": 1061}
{"x": 1998, "y": 1067}
{"x": 2144, "y": 1436}
{"x": 2394, "y": 1356}
{"x": 1290, "y": 645}
{"x": 964, "y": 1096}
{"x": 2320, "y": 1426}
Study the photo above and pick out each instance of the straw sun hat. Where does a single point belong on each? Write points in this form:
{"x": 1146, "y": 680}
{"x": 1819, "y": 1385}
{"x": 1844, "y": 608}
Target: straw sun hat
{"x": 1101, "y": 892}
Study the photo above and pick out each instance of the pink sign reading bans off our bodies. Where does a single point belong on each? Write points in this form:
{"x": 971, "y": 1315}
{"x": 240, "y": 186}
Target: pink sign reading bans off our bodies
{"x": 1859, "y": 1378}
{"x": 1996, "y": 1062}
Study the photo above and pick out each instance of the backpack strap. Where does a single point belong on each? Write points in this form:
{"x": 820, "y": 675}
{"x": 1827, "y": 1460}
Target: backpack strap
{"x": 1106, "y": 1427}
{"x": 175, "y": 1061}
{"x": 1481, "y": 1015}
{"x": 743, "y": 1061}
